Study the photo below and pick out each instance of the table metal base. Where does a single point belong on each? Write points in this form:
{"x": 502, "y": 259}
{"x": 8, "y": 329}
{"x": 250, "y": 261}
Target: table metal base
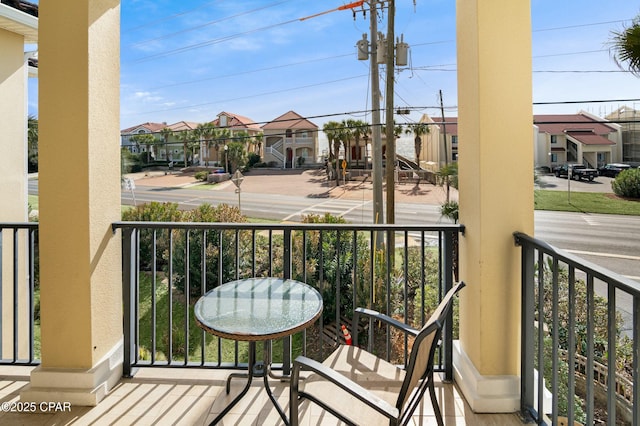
{"x": 254, "y": 369}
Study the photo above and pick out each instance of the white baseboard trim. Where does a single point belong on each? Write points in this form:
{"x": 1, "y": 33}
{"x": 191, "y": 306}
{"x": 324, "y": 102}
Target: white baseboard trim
{"x": 485, "y": 394}
{"x": 78, "y": 387}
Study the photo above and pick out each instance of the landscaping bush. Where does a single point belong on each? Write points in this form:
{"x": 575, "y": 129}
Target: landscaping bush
{"x": 253, "y": 159}
{"x": 202, "y": 175}
{"x": 627, "y": 184}
{"x": 153, "y": 212}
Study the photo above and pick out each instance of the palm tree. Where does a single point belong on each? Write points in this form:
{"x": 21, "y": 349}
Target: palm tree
{"x": 220, "y": 136}
{"x": 186, "y": 137}
{"x": 206, "y": 131}
{"x": 418, "y": 130}
{"x": 625, "y": 47}
{"x": 32, "y": 140}
{"x": 166, "y": 133}
{"x": 448, "y": 175}
{"x": 359, "y": 129}
{"x": 257, "y": 143}
{"x": 147, "y": 140}
{"x": 237, "y": 155}
{"x": 330, "y": 129}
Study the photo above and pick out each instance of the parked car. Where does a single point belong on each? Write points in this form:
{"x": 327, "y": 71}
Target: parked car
{"x": 576, "y": 172}
{"x": 613, "y": 169}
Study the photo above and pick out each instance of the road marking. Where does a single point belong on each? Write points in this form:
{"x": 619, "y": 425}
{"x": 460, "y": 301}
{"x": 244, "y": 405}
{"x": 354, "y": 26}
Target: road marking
{"x": 329, "y": 206}
{"x": 616, "y": 256}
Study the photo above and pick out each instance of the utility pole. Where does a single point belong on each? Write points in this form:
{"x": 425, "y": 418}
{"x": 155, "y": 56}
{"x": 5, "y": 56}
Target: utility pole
{"x": 444, "y": 133}
{"x": 390, "y": 128}
{"x": 376, "y": 134}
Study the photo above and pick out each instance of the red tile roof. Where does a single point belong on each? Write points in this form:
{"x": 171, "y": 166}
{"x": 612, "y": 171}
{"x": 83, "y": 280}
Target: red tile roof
{"x": 557, "y": 124}
{"x": 589, "y": 138}
{"x": 151, "y": 127}
{"x": 289, "y": 120}
{"x": 450, "y": 124}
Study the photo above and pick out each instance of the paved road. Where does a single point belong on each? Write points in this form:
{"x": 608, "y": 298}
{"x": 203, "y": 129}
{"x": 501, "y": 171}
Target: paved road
{"x": 607, "y": 240}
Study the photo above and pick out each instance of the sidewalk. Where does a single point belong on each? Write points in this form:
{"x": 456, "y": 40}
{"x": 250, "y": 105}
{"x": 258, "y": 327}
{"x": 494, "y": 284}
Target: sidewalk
{"x": 305, "y": 183}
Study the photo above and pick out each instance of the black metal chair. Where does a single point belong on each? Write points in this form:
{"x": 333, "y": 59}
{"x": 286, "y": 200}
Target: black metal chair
{"x": 359, "y": 388}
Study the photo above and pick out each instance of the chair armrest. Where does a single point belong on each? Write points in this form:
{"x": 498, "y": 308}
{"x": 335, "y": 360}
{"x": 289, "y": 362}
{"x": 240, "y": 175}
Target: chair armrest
{"x": 362, "y": 394}
{"x": 382, "y": 318}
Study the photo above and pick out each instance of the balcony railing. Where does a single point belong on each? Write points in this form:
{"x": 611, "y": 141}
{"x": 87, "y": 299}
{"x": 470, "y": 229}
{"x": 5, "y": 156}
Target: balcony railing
{"x": 398, "y": 270}
{"x": 18, "y": 279}
{"x": 581, "y": 330}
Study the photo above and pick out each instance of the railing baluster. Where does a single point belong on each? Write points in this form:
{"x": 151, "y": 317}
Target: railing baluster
{"x": 636, "y": 359}
{"x": 571, "y": 344}
{"x": 527, "y": 326}
{"x": 611, "y": 350}
{"x": 590, "y": 397}
{"x": 554, "y": 339}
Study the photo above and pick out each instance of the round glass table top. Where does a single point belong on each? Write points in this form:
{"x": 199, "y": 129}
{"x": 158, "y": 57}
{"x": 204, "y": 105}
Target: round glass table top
{"x": 258, "y": 308}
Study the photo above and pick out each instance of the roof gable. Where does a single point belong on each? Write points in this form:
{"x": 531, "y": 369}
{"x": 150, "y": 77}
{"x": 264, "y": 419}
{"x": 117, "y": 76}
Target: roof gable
{"x": 290, "y": 120}
{"x": 236, "y": 121}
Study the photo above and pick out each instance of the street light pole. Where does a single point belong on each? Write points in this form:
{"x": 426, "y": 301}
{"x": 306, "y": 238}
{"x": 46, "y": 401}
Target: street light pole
{"x": 226, "y": 158}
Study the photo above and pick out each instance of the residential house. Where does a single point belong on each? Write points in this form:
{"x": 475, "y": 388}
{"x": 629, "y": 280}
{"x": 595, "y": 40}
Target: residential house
{"x": 140, "y": 129}
{"x": 557, "y": 139}
{"x": 575, "y": 138}
{"x": 241, "y": 129}
{"x": 290, "y": 140}
{"x": 440, "y": 145}
{"x": 629, "y": 122}
{"x": 171, "y": 150}
{"x": 175, "y": 149}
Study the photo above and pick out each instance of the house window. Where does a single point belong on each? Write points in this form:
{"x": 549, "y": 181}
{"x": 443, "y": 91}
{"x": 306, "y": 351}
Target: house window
{"x": 554, "y": 139}
{"x": 303, "y": 134}
{"x": 223, "y": 120}
{"x": 454, "y": 139}
{"x": 288, "y": 133}
{"x": 554, "y": 158}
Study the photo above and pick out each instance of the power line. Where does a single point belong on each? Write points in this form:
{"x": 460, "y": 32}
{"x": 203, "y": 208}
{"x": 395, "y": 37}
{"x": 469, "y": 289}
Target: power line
{"x": 197, "y": 27}
{"x": 170, "y": 17}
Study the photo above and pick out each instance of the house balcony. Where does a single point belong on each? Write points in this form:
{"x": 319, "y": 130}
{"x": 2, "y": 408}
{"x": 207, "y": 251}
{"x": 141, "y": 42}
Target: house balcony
{"x": 174, "y": 372}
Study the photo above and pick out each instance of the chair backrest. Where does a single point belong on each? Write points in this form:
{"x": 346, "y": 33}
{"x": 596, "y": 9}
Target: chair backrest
{"x": 424, "y": 348}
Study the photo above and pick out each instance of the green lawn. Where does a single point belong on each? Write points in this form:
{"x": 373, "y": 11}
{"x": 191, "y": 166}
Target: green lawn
{"x": 585, "y": 202}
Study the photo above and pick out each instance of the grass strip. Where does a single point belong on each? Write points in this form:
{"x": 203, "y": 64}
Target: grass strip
{"x": 585, "y": 202}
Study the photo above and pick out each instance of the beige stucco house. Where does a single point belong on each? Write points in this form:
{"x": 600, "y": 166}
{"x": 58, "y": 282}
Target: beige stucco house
{"x": 557, "y": 139}
{"x": 290, "y": 140}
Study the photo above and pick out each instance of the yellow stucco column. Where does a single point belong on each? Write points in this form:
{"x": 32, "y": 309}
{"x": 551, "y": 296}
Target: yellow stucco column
{"x": 496, "y": 194}
{"x": 81, "y": 302}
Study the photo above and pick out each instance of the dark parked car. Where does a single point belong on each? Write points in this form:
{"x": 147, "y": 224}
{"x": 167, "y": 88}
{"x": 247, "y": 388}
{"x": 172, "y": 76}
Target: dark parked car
{"x": 612, "y": 170}
{"x": 576, "y": 171}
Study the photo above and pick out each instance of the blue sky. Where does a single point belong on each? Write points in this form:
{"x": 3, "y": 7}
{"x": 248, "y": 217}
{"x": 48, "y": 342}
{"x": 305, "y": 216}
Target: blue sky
{"x": 189, "y": 60}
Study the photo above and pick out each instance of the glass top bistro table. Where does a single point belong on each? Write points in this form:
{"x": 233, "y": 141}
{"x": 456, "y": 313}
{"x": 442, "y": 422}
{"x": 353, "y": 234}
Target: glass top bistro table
{"x": 257, "y": 309}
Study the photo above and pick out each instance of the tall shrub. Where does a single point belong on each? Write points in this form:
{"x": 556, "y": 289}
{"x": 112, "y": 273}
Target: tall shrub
{"x": 627, "y": 184}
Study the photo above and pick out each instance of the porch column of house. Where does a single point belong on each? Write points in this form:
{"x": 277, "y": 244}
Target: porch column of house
{"x": 80, "y": 257}
{"x": 496, "y": 195}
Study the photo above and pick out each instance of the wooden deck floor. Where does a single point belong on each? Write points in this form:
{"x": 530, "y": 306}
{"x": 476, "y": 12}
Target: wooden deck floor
{"x": 194, "y": 396}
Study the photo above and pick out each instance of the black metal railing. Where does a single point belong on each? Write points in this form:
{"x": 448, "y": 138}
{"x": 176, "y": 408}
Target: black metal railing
{"x": 581, "y": 332}
{"x": 398, "y": 270}
{"x": 19, "y": 287}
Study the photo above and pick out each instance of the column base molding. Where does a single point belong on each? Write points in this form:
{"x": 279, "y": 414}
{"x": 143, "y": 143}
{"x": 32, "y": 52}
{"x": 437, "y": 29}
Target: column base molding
{"x": 78, "y": 387}
{"x": 485, "y": 394}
